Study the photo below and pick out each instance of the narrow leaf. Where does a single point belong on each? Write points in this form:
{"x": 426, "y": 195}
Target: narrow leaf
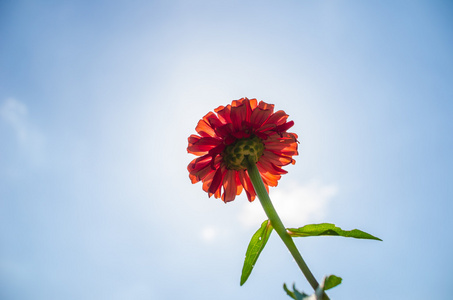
{"x": 295, "y": 294}
{"x": 328, "y": 283}
{"x": 331, "y": 281}
{"x": 329, "y": 229}
{"x": 256, "y": 245}
{"x": 288, "y": 292}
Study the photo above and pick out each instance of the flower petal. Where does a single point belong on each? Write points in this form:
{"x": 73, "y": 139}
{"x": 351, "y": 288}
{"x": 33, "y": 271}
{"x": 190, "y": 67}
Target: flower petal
{"x": 253, "y": 103}
{"x": 268, "y": 178}
{"x": 247, "y": 184}
{"x": 271, "y": 167}
{"x": 216, "y": 181}
{"x": 281, "y": 146}
{"x": 261, "y": 113}
{"x": 278, "y": 118}
{"x": 202, "y": 145}
{"x": 224, "y": 113}
{"x": 230, "y": 186}
{"x": 199, "y": 170}
{"x": 238, "y": 113}
{"x": 285, "y": 126}
{"x": 212, "y": 119}
{"x": 204, "y": 129}
{"x": 277, "y": 159}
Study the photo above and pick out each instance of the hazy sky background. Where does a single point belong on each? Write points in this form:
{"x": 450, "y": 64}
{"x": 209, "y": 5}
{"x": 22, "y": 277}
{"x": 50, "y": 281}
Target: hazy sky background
{"x": 97, "y": 99}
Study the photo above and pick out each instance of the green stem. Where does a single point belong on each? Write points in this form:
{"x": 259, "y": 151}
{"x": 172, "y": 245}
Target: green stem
{"x": 271, "y": 213}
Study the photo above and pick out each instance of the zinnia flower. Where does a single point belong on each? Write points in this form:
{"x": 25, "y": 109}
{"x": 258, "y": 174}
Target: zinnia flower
{"x": 225, "y": 139}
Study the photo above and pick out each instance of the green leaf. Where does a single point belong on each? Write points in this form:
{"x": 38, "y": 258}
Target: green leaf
{"x": 295, "y": 294}
{"x": 288, "y": 292}
{"x": 328, "y": 283}
{"x": 329, "y": 229}
{"x": 331, "y": 281}
{"x": 256, "y": 245}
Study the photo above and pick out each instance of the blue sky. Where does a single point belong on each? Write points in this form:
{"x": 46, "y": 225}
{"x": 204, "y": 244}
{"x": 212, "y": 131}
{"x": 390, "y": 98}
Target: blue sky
{"x": 97, "y": 99}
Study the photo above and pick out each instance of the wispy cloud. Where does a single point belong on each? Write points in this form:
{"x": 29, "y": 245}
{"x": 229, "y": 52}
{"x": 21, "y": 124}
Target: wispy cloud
{"x": 15, "y": 114}
{"x": 209, "y": 233}
{"x": 296, "y": 205}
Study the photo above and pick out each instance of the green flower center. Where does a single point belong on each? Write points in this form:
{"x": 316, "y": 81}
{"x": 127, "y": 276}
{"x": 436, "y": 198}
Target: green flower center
{"x": 235, "y": 154}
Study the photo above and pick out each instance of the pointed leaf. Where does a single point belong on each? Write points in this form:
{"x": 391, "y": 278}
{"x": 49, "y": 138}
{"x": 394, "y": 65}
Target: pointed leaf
{"x": 256, "y": 245}
{"x": 329, "y": 229}
{"x": 295, "y": 294}
{"x": 331, "y": 281}
{"x": 328, "y": 283}
{"x": 288, "y": 292}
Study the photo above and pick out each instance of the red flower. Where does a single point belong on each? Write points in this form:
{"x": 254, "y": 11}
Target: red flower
{"x": 226, "y": 137}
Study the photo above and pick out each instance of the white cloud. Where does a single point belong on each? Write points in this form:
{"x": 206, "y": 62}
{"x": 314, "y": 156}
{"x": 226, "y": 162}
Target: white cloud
{"x": 15, "y": 114}
{"x": 297, "y": 205}
{"x": 208, "y": 234}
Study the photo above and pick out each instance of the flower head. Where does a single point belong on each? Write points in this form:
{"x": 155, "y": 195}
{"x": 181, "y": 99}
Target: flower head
{"x": 230, "y": 137}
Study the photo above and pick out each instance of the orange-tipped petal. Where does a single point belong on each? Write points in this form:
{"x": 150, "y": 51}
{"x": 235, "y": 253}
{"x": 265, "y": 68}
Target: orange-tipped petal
{"x": 278, "y": 160}
{"x": 247, "y": 184}
{"x": 253, "y": 104}
{"x": 223, "y": 113}
{"x": 204, "y": 129}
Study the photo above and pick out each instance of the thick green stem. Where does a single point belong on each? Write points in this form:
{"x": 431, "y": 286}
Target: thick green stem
{"x": 271, "y": 213}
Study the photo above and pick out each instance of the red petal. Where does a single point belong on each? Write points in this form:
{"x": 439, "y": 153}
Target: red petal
{"x": 200, "y": 169}
{"x": 204, "y": 129}
{"x": 224, "y": 130}
{"x": 229, "y": 186}
{"x": 268, "y": 178}
{"x": 281, "y": 146}
{"x": 253, "y": 103}
{"x": 224, "y": 113}
{"x": 271, "y": 167}
{"x": 261, "y": 113}
{"x": 193, "y": 178}
{"x": 285, "y": 126}
{"x": 199, "y": 163}
{"x": 238, "y": 114}
{"x": 212, "y": 119}
{"x": 192, "y": 140}
{"x": 202, "y": 145}
{"x": 277, "y": 118}
{"x": 207, "y": 182}
{"x": 247, "y": 184}
{"x": 266, "y": 130}
{"x": 278, "y": 160}
{"x": 238, "y": 183}
{"x": 216, "y": 181}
